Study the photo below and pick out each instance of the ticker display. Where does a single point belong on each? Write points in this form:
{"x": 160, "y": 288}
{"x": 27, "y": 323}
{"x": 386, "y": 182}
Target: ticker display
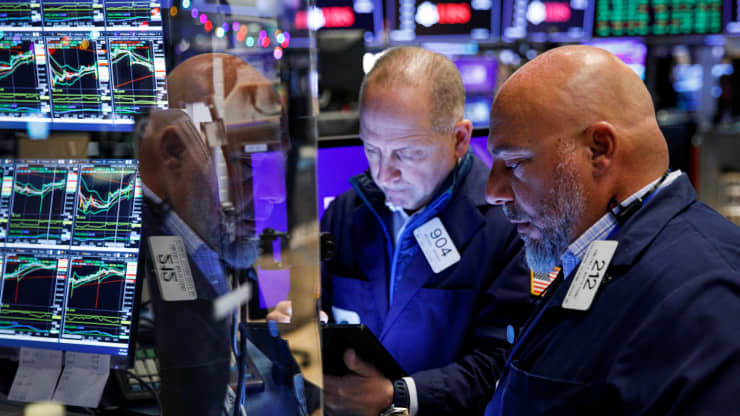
{"x": 657, "y": 17}
{"x": 450, "y": 19}
{"x": 560, "y": 21}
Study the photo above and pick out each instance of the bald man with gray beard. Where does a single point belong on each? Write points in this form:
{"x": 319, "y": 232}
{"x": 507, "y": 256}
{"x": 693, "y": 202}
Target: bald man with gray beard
{"x": 641, "y": 319}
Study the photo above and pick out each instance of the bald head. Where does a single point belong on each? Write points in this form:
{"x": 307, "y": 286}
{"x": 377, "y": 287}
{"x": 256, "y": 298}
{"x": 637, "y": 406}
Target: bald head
{"x": 571, "y": 88}
{"x": 422, "y": 70}
{"x": 572, "y": 133}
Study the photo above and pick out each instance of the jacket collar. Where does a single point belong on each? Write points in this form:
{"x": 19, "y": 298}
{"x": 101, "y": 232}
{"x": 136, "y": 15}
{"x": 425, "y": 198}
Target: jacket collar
{"x": 642, "y": 228}
{"x": 636, "y": 234}
{"x": 455, "y": 181}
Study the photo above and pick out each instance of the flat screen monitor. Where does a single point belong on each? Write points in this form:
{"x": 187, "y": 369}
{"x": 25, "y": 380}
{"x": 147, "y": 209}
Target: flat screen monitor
{"x": 478, "y": 110}
{"x": 542, "y": 20}
{"x": 270, "y": 212}
{"x": 441, "y": 20}
{"x": 69, "y": 246}
{"x": 337, "y": 163}
{"x": 631, "y": 51}
{"x": 80, "y": 65}
{"x": 657, "y": 17}
{"x": 732, "y": 17}
{"x": 478, "y": 73}
{"x": 366, "y": 15}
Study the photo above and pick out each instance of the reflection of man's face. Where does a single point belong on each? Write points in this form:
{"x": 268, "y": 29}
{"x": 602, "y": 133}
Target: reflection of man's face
{"x": 408, "y": 160}
{"x": 246, "y": 110}
{"x": 535, "y": 179}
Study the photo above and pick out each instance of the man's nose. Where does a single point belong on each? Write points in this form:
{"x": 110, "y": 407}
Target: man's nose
{"x": 498, "y": 188}
{"x": 387, "y": 172}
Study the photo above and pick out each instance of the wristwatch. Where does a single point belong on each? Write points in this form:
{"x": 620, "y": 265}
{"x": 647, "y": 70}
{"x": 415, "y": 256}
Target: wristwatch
{"x": 400, "y": 406}
{"x": 395, "y": 411}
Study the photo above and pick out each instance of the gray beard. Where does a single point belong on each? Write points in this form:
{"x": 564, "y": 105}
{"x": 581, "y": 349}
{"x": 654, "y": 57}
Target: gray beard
{"x": 564, "y": 204}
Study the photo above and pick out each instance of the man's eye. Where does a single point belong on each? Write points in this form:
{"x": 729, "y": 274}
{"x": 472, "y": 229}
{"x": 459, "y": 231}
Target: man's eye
{"x": 410, "y": 155}
{"x": 513, "y": 164}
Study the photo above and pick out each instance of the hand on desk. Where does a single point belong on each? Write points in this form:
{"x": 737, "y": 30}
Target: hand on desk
{"x": 364, "y": 391}
{"x": 284, "y": 310}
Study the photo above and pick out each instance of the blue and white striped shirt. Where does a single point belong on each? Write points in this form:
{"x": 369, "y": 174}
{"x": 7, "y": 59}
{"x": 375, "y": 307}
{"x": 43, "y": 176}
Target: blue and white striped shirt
{"x": 601, "y": 229}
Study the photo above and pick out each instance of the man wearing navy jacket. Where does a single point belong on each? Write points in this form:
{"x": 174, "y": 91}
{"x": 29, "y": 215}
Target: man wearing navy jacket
{"x": 422, "y": 260}
{"x": 642, "y": 321}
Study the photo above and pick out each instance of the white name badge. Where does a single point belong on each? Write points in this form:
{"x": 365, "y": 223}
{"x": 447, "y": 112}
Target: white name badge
{"x": 436, "y": 245}
{"x": 172, "y": 268}
{"x": 588, "y": 277}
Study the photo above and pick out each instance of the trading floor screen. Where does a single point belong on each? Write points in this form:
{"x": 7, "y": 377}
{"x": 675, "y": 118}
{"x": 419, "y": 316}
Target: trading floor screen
{"x": 80, "y": 65}
{"x": 70, "y": 241}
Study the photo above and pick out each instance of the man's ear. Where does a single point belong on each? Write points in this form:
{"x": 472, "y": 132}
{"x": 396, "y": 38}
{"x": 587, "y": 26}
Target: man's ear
{"x": 463, "y": 132}
{"x": 172, "y": 148}
{"x": 602, "y": 142}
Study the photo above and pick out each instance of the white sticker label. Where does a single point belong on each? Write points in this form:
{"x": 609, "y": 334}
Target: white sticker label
{"x": 345, "y": 316}
{"x": 588, "y": 277}
{"x": 172, "y": 268}
{"x": 436, "y": 245}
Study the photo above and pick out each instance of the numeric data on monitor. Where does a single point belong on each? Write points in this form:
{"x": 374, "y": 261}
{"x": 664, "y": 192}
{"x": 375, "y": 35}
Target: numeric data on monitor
{"x": 69, "y": 247}
{"x": 81, "y": 65}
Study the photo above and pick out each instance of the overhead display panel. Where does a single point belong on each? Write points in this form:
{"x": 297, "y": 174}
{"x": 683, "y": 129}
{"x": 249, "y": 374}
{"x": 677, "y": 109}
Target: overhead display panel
{"x": 558, "y": 21}
{"x": 343, "y": 14}
{"x": 438, "y": 20}
{"x": 657, "y": 17}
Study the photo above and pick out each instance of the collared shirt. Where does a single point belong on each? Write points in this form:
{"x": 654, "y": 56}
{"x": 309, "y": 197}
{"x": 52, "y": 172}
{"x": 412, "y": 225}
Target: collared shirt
{"x": 400, "y": 219}
{"x": 604, "y": 226}
{"x": 203, "y": 256}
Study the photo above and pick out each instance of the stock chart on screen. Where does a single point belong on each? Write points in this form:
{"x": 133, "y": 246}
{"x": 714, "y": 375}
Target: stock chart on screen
{"x": 81, "y": 65}
{"x": 70, "y": 243}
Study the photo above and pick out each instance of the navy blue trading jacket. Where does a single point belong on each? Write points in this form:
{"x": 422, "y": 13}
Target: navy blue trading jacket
{"x": 662, "y": 336}
{"x": 447, "y": 330}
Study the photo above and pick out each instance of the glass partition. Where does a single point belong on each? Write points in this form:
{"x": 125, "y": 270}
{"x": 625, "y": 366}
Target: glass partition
{"x": 173, "y": 145}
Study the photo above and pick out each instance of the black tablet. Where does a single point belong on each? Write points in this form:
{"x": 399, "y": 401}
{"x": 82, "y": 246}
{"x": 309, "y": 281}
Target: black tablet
{"x": 336, "y": 338}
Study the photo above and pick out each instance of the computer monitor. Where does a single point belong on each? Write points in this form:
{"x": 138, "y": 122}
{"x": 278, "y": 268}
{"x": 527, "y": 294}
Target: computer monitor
{"x": 327, "y": 15}
{"x": 631, "y": 51}
{"x": 443, "y": 20}
{"x": 340, "y": 55}
{"x": 337, "y": 163}
{"x": 270, "y": 212}
{"x": 69, "y": 247}
{"x": 540, "y": 21}
{"x": 732, "y": 17}
{"x": 83, "y": 65}
{"x": 340, "y": 160}
{"x": 478, "y": 75}
{"x": 654, "y": 18}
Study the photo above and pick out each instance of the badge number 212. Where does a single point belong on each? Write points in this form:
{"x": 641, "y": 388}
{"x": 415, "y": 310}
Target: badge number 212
{"x": 593, "y": 278}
